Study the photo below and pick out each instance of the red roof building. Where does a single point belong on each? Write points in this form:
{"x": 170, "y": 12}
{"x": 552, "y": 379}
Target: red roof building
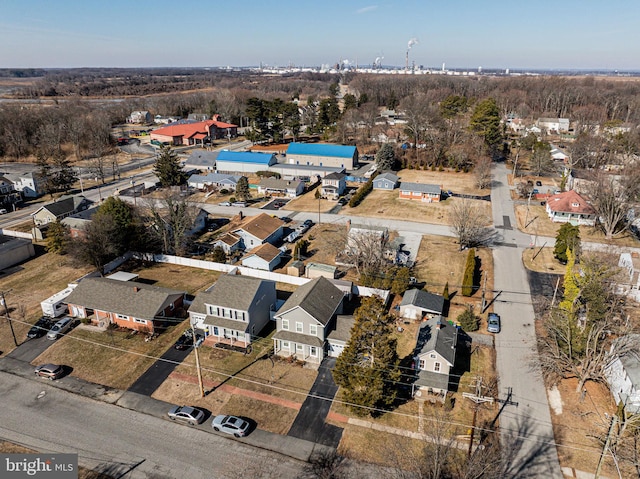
{"x": 570, "y": 207}
{"x": 195, "y": 133}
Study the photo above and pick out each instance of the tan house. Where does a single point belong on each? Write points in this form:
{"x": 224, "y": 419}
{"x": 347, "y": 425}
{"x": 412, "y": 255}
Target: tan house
{"x": 315, "y": 270}
{"x": 60, "y": 209}
{"x": 234, "y": 310}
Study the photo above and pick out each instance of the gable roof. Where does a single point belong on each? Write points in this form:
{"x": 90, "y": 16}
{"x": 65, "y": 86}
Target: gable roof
{"x": 278, "y": 184}
{"x": 421, "y": 187}
{"x": 228, "y": 239}
{"x": 387, "y": 176}
{"x": 569, "y": 202}
{"x": 334, "y": 176}
{"x": 261, "y": 226}
{"x": 128, "y": 298}
{"x": 65, "y": 205}
{"x": 191, "y": 128}
{"x": 214, "y": 178}
{"x": 230, "y": 291}
{"x": 439, "y": 336}
{"x": 265, "y": 251}
{"x": 202, "y": 157}
{"x": 247, "y": 157}
{"x": 424, "y": 300}
{"x": 321, "y": 149}
{"x": 319, "y": 298}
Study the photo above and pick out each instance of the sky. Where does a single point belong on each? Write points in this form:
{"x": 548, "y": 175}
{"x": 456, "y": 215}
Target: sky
{"x": 515, "y": 34}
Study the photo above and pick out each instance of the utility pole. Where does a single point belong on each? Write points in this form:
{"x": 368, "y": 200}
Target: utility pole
{"x": 3, "y": 302}
{"x": 195, "y": 349}
{"x": 555, "y": 292}
{"x": 614, "y": 419}
{"x": 478, "y": 399}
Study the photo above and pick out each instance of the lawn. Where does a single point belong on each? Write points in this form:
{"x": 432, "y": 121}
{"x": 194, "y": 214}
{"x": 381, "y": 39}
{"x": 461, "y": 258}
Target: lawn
{"x": 112, "y": 358}
{"x": 29, "y": 283}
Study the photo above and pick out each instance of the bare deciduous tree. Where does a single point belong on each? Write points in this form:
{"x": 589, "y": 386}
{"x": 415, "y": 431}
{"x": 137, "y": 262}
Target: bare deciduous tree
{"x": 468, "y": 223}
{"x": 611, "y": 202}
{"x": 171, "y": 219}
{"x": 482, "y": 172}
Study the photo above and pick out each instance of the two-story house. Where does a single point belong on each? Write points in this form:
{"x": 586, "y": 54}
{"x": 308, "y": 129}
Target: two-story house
{"x": 234, "y": 310}
{"x": 434, "y": 356}
{"x": 333, "y": 185}
{"x": 305, "y": 320}
{"x": 259, "y": 229}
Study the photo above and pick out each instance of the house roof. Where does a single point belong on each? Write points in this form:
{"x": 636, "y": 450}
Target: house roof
{"x": 229, "y": 239}
{"x": 261, "y": 226}
{"x": 319, "y": 298}
{"x": 421, "y": 187}
{"x": 327, "y": 268}
{"x": 80, "y": 219}
{"x": 202, "y": 157}
{"x": 342, "y": 331}
{"x": 569, "y": 202}
{"x": 439, "y": 336}
{"x": 298, "y": 338}
{"x": 265, "y": 251}
{"x": 214, "y": 178}
{"x": 128, "y": 298}
{"x": 630, "y": 361}
{"x": 321, "y": 149}
{"x": 277, "y": 184}
{"x": 423, "y": 299}
{"x": 64, "y": 205}
{"x": 191, "y": 128}
{"x": 432, "y": 379}
{"x": 247, "y": 157}
{"x": 230, "y": 291}
{"x": 387, "y": 176}
{"x": 335, "y": 176}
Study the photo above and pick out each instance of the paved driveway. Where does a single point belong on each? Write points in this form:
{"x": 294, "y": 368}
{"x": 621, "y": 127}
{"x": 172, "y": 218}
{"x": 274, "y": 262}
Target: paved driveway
{"x": 310, "y": 422}
{"x": 159, "y": 371}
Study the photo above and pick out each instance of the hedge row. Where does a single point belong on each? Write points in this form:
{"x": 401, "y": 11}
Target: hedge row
{"x": 362, "y": 193}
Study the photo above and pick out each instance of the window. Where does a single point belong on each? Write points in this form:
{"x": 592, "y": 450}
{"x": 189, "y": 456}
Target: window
{"x": 313, "y": 329}
{"x": 436, "y": 367}
{"x": 299, "y": 327}
{"x": 313, "y": 351}
{"x": 421, "y": 364}
{"x": 432, "y": 356}
{"x": 140, "y": 321}
{"x": 285, "y": 324}
{"x": 215, "y": 331}
{"x": 300, "y": 348}
{"x": 122, "y": 316}
{"x": 285, "y": 345}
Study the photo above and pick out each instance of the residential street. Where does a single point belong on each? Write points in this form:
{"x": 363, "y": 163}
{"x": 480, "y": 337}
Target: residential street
{"x": 529, "y": 424}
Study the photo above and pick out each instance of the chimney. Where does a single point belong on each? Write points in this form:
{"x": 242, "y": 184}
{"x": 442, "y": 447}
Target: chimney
{"x": 136, "y": 289}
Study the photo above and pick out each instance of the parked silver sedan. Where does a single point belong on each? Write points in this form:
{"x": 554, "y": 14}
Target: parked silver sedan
{"x": 50, "y": 371}
{"x": 188, "y": 414}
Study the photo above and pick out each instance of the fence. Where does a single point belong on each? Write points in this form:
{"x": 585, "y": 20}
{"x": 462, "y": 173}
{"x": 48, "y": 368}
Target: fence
{"x": 16, "y": 234}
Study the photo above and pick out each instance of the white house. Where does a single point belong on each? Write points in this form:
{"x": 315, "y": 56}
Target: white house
{"x": 259, "y": 229}
{"x": 623, "y": 376}
{"x": 265, "y": 257}
{"x": 553, "y": 125}
{"x": 417, "y": 304}
{"x": 630, "y": 263}
{"x": 570, "y": 207}
{"x": 278, "y": 187}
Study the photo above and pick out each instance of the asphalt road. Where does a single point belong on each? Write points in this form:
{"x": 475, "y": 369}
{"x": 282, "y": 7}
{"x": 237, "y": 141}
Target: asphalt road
{"x": 526, "y": 428}
{"x": 117, "y": 440}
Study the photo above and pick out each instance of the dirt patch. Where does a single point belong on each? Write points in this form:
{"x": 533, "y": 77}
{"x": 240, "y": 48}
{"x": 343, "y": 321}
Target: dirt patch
{"x": 580, "y": 425}
{"x": 542, "y": 260}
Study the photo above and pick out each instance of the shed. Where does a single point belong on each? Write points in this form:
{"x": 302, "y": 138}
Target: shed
{"x": 315, "y": 270}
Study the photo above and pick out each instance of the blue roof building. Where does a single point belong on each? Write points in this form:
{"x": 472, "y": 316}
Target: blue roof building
{"x": 322, "y": 154}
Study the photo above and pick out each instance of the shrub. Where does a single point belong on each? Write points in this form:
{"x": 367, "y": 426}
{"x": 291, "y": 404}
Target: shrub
{"x": 224, "y": 191}
{"x": 362, "y": 192}
{"x": 232, "y": 199}
{"x": 469, "y": 272}
{"x": 468, "y": 321}
{"x": 441, "y": 168}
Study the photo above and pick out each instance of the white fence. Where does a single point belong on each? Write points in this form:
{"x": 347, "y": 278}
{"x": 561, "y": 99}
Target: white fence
{"x": 225, "y": 268}
{"x": 16, "y": 234}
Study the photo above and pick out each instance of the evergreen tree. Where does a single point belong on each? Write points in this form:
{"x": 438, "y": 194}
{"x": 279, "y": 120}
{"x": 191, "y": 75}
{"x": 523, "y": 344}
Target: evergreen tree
{"x": 445, "y": 292}
{"x": 485, "y": 121}
{"x": 571, "y": 289}
{"x": 218, "y": 255}
{"x": 385, "y": 158}
{"x": 64, "y": 175}
{"x": 568, "y": 237}
{"x": 467, "y": 320}
{"x": 57, "y": 238}
{"x": 168, "y": 169}
{"x": 242, "y": 189}
{"x": 124, "y": 218}
{"x": 368, "y": 368}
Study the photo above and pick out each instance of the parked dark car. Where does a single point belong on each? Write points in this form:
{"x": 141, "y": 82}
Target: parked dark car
{"x": 538, "y": 183}
{"x": 41, "y": 327}
{"x": 186, "y": 340}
